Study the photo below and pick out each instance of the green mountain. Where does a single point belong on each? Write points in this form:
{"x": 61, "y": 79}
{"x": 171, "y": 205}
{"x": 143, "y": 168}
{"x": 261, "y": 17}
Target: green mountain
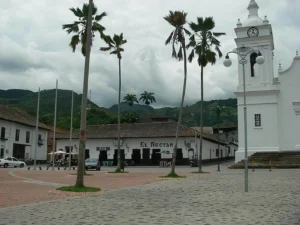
{"x": 228, "y": 114}
{"x": 27, "y": 100}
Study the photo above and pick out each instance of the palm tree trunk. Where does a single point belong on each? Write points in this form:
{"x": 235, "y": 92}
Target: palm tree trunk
{"x": 181, "y": 109}
{"x": 82, "y": 139}
{"x": 119, "y": 119}
{"x": 201, "y": 124}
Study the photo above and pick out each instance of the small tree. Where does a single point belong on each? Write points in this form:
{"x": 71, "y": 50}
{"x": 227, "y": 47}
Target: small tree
{"x": 115, "y": 45}
{"x": 130, "y": 99}
{"x": 147, "y": 97}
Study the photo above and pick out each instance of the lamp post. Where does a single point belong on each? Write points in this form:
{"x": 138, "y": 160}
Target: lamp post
{"x": 218, "y": 111}
{"x": 243, "y": 52}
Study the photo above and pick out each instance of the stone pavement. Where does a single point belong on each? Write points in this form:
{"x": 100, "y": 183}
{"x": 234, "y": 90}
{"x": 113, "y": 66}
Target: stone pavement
{"x": 215, "y": 199}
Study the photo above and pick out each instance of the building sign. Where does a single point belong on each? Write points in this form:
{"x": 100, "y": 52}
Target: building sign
{"x": 102, "y": 148}
{"x": 156, "y": 145}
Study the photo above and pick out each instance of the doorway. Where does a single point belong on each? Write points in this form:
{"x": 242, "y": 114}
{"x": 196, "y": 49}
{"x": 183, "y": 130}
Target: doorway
{"x": 2, "y": 153}
{"x": 179, "y": 156}
{"x": 19, "y": 151}
{"x": 136, "y": 156}
{"x": 116, "y": 156}
{"x": 87, "y": 154}
{"x": 146, "y": 156}
{"x": 156, "y": 156}
{"x": 221, "y": 153}
{"x": 102, "y": 156}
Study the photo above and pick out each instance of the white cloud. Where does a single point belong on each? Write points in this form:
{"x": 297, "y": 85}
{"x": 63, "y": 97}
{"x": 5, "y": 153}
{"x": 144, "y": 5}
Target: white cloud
{"x": 34, "y": 49}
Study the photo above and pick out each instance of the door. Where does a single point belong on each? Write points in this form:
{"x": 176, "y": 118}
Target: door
{"x": 87, "y": 154}
{"x": 116, "y": 156}
{"x": 191, "y": 153}
{"x": 179, "y": 156}
{"x": 146, "y": 156}
{"x": 103, "y": 156}
{"x": 156, "y": 156}
{"x": 136, "y": 156}
{"x": 1, "y": 153}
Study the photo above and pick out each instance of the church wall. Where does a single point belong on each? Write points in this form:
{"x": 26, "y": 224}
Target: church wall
{"x": 289, "y": 121}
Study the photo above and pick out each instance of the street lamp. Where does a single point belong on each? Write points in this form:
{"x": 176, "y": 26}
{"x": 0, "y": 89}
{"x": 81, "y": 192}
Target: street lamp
{"x": 243, "y": 52}
{"x": 218, "y": 111}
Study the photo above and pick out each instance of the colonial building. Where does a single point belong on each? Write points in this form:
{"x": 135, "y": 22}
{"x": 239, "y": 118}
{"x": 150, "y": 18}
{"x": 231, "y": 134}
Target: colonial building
{"x": 17, "y": 135}
{"x": 273, "y": 104}
{"x": 145, "y": 143}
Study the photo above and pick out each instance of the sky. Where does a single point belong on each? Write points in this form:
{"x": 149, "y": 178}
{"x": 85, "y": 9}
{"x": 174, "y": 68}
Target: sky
{"x": 34, "y": 50}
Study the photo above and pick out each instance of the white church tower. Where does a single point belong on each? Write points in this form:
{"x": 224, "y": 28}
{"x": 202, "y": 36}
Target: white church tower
{"x": 261, "y": 92}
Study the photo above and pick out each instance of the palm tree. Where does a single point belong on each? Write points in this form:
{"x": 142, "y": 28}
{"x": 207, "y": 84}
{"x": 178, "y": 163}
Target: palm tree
{"x": 115, "y": 45}
{"x": 80, "y": 27}
{"x": 147, "y": 97}
{"x": 178, "y": 19}
{"x": 84, "y": 29}
{"x": 202, "y": 42}
{"x": 130, "y": 99}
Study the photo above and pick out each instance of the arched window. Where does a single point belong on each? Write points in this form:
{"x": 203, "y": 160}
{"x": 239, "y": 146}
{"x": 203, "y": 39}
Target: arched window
{"x": 252, "y": 63}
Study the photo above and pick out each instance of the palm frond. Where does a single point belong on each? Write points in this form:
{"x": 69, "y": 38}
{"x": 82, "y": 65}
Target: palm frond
{"x": 194, "y": 27}
{"x": 219, "y": 51}
{"x": 187, "y": 31}
{"x": 169, "y": 38}
{"x": 71, "y": 27}
{"x": 105, "y": 49}
{"x": 218, "y": 34}
{"x": 77, "y": 12}
{"x": 99, "y": 17}
{"x": 180, "y": 55}
{"x": 74, "y": 42}
{"x": 174, "y": 55}
{"x": 114, "y": 52}
{"x": 191, "y": 56}
{"x": 209, "y": 23}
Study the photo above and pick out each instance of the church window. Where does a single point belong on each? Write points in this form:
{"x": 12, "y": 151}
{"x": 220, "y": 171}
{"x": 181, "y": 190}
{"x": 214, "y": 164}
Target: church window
{"x": 252, "y": 63}
{"x": 257, "y": 120}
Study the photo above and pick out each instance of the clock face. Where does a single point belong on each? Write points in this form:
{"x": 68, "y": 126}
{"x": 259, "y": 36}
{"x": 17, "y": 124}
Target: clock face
{"x": 253, "y": 32}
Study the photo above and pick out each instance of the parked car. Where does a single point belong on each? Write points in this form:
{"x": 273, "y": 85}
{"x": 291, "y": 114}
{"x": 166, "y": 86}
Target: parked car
{"x": 92, "y": 163}
{"x": 11, "y": 162}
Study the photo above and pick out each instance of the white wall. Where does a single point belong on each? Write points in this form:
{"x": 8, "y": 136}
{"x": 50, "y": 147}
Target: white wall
{"x": 140, "y": 143}
{"x": 289, "y": 122}
{"x": 10, "y": 134}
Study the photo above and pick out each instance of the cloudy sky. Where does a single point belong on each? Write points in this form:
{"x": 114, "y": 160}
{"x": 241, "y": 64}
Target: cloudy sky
{"x": 34, "y": 49}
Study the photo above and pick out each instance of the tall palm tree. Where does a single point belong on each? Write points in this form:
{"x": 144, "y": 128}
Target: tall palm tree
{"x": 147, "y": 97}
{"x": 202, "y": 42}
{"x": 85, "y": 30}
{"x": 130, "y": 99}
{"x": 80, "y": 27}
{"x": 115, "y": 45}
{"x": 178, "y": 19}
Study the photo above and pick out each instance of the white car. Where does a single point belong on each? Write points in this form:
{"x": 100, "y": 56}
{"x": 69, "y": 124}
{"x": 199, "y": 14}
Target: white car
{"x": 11, "y": 162}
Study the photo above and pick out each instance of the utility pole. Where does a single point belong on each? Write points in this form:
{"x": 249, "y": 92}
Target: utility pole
{"x": 71, "y": 130}
{"x": 36, "y": 129}
{"x": 54, "y": 128}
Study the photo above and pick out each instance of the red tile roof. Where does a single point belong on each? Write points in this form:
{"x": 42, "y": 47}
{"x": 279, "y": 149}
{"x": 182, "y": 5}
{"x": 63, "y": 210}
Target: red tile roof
{"x": 18, "y": 116}
{"x": 138, "y": 130}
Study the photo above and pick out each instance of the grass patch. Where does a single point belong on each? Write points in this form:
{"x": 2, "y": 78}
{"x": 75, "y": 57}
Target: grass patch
{"x": 172, "y": 175}
{"x": 78, "y": 189}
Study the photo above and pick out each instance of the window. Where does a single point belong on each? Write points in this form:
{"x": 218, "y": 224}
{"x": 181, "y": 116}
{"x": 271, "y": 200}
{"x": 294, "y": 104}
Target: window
{"x": 257, "y": 120}
{"x": 252, "y": 63}
{"x": 2, "y": 133}
{"x": 217, "y": 152}
{"x": 40, "y": 137}
{"x": 27, "y": 136}
{"x": 17, "y": 135}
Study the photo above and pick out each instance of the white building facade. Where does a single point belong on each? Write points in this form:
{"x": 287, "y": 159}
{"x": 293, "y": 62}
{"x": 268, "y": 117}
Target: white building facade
{"x": 145, "y": 148}
{"x": 273, "y": 104}
{"x": 17, "y": 135}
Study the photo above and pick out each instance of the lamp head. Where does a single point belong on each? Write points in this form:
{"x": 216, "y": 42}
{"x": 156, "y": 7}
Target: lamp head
{"x": 227, "y": 62}
{"x": 260, "y": 59}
